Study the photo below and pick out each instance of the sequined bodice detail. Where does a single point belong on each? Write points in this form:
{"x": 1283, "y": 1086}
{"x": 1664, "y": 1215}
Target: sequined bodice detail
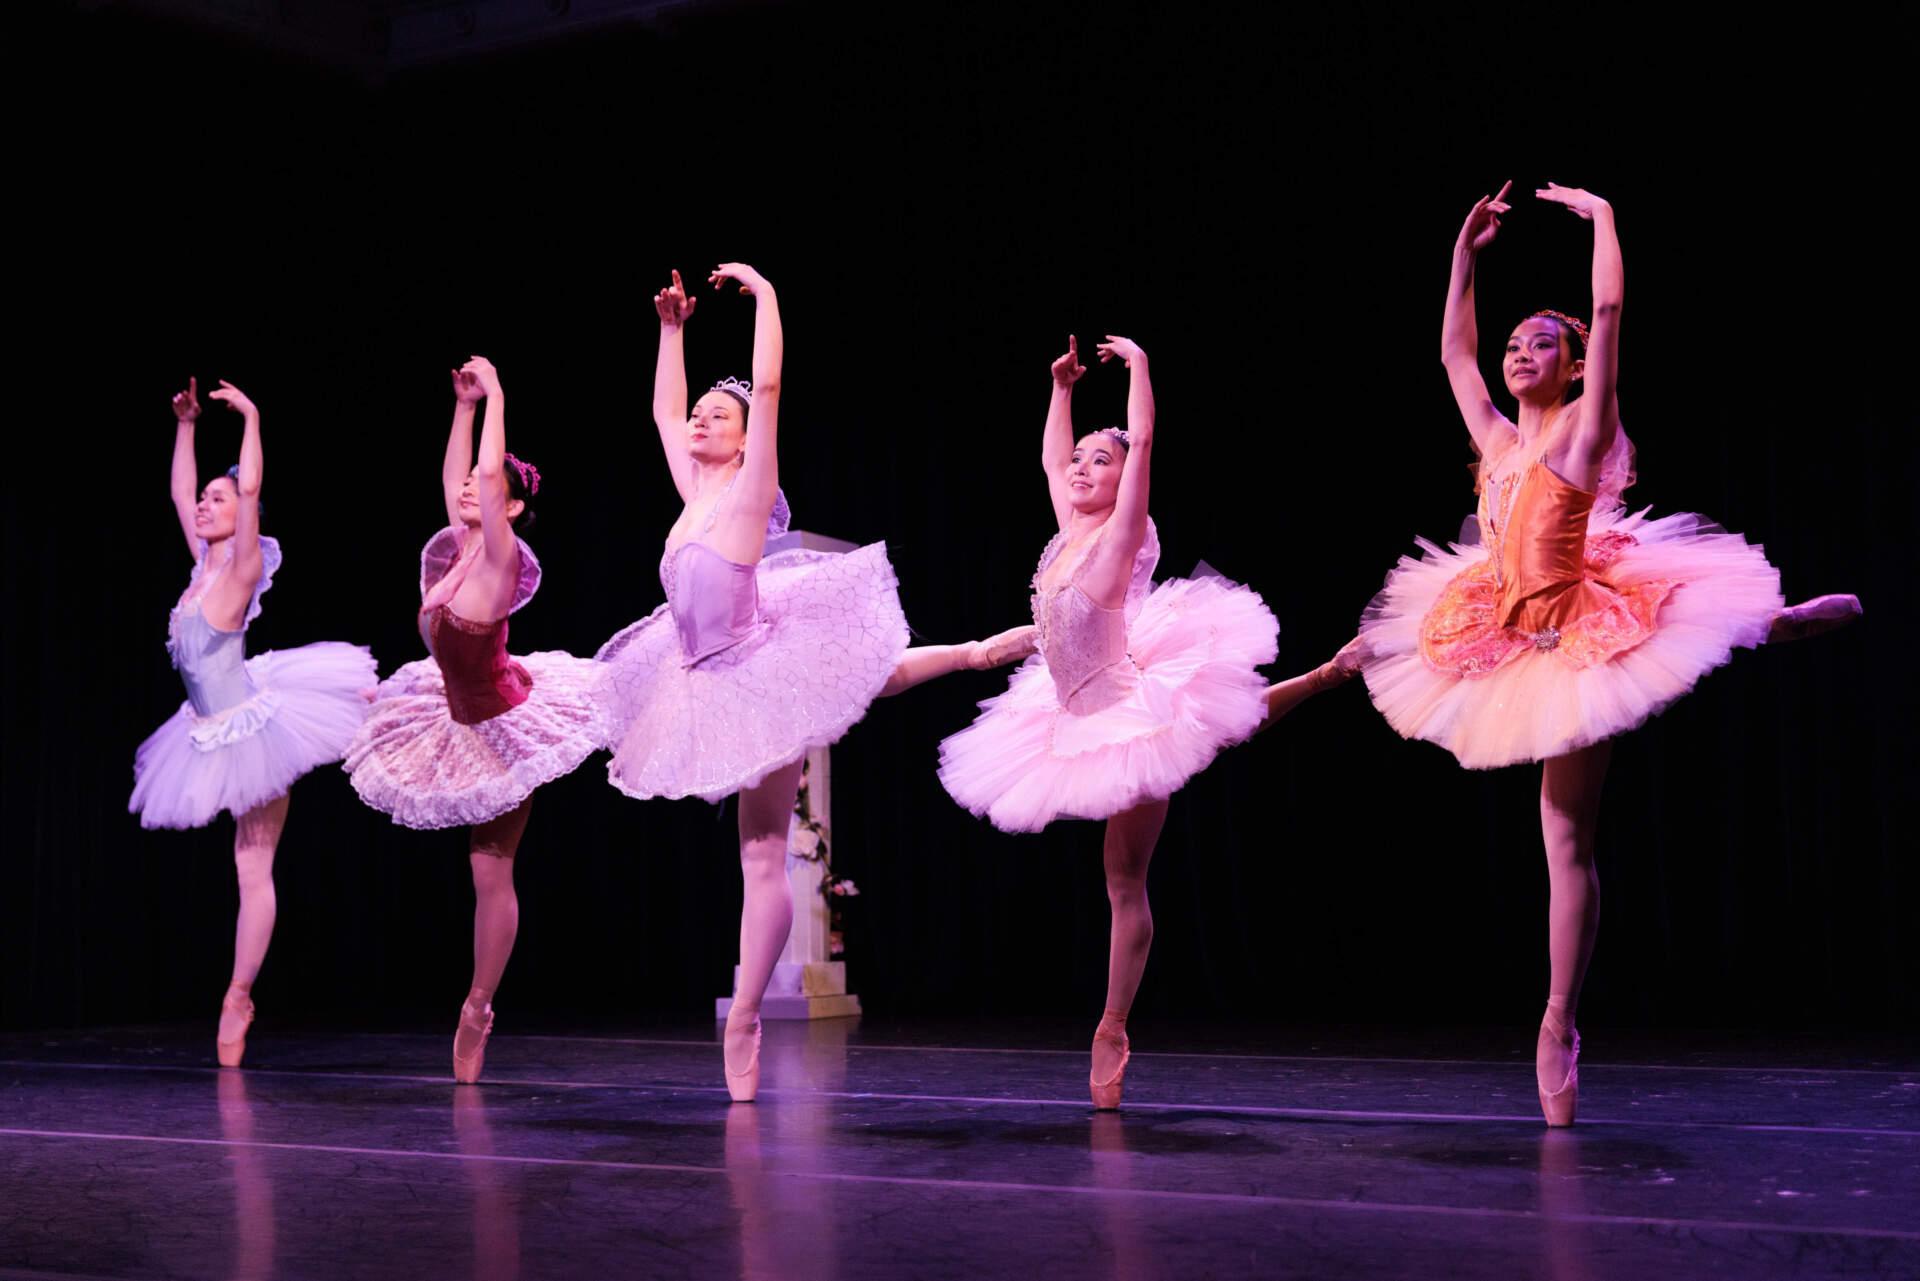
{"x": 1084, "y": 644}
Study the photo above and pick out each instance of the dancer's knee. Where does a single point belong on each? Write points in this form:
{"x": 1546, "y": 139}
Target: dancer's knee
{"x": 492, "y": 871}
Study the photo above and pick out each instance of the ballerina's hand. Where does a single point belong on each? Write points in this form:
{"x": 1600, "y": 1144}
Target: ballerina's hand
{"x": 466, "y": 387}
{"x": 673, "y": 304}
{"x": 186, "y": 404}
{"x": 1483, "y": 220}
{"x": 233, "y": 398}
{"x": 1584, "y": 203}
{"x": 1124, "y": 350}
{"x": 751, "y": 281}
{"x": 1067, "y": 369}
{"x": 483, "y": 373}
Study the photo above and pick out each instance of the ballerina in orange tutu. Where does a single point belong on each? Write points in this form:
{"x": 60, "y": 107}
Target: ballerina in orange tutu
{"x": 1572, "y": 620}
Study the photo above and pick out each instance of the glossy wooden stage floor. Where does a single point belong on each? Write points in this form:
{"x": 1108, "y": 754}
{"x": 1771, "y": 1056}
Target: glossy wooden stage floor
{"x": 953, "y": 1150}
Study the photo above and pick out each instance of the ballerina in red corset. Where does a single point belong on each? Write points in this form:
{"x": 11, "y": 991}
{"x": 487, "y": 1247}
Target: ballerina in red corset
{"x": 1572, "y": 621}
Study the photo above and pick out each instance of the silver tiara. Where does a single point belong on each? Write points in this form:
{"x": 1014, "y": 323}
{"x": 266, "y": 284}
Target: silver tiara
{"x": 1118, "y": 433}
{"x": 743, "y": 390}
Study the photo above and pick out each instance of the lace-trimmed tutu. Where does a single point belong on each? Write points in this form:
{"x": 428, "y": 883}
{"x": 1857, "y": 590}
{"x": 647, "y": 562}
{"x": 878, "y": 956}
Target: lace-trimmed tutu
{"x": 1676, "y": 595}
{"x": 281, "y": 714}
{"x": 830, "y": 633}
{"x": 413, "y": 761}
{"x": 1186, "y": 687}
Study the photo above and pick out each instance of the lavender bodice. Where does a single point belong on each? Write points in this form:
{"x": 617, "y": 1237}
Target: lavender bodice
{"x": 212, "y": 663}
{"x": 715, "y": 601}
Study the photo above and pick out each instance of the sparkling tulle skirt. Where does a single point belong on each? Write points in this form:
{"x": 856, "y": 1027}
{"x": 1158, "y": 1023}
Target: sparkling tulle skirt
{"x": 412, "y": 760}
{"x": 831, "y": 633}
{"x": 1195, "y": 643}
{"x": 307, "y": 705}
{"x": 1719, "y": 592}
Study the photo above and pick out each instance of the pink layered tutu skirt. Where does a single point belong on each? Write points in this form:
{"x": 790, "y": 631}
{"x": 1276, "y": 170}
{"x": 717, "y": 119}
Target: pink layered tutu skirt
{"x": 414, "y": 761}
{"x": 1133, "y": 730}
{"x": 305, "y": 706}
{"x": 1669, "y": 600}
{"x": 829, "y": 633}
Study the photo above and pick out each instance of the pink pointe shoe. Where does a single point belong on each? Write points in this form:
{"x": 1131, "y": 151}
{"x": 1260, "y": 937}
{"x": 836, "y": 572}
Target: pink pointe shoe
{"x": 1010, "y": 646}
{"x": 742, "y": 1086}
{"x": 1811, "y": 617}
{"x": 475, "y": 1026}
{"x": 1106, "y": 1094}
{"x": 1558, "y": 1106}
{"x": 229, "y": 1052}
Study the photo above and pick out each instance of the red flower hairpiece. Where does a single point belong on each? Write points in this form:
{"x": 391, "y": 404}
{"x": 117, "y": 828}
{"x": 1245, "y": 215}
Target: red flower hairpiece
{"x": 1574, "y": 323}
{"x": 529, "y": 475}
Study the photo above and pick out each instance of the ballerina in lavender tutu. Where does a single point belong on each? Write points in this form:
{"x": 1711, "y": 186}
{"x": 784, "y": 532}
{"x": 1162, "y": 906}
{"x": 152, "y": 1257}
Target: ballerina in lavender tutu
{"x": 754, "y": 658}
{"x": 1571, "y": 621}
{"x": 249, "y": 727}
{"x": 464, "y": 737}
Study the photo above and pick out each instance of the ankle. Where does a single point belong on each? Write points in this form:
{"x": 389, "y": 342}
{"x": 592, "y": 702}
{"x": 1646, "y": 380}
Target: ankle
{"x": 1558, "y": 1020}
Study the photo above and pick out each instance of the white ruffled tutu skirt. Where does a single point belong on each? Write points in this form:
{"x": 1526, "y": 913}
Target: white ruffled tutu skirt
{"x": 1195, "y": 644}
{"x": 307, "y": 705}
{"x": 1700, "y": 592}
{"x": 413, "y": 761}
{"x": 831, "y": 633}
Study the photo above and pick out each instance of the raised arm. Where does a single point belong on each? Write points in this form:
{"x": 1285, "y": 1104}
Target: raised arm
{"x": 1459, "y": 330}
{"x": 759, "y": 480}
{"x": 502, "y": 552}
{"x": 459, "y": 459}
{"x": 246, "y": 525}
{"x": 1056, "y": 439}
{"x": 225, "y": 604}
{"x": 1599, "y": 405}
{"x": 670, "y": 384}
{"x": 186, "y": 469}
{"x": 1130, "y": 505}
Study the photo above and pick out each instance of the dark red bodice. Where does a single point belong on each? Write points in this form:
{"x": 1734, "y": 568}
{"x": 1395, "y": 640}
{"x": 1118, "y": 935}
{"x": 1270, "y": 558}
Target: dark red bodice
{"x": 482, "y": 682}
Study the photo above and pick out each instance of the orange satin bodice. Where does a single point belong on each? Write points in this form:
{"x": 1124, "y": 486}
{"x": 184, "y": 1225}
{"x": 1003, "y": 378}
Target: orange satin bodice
{"x": 1543, "y": 554}
{"x": 1543, "y": 586}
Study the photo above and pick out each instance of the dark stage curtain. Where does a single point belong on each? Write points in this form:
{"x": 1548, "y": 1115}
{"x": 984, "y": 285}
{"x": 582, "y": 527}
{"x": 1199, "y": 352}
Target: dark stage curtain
{"x": 1265, "y": 201}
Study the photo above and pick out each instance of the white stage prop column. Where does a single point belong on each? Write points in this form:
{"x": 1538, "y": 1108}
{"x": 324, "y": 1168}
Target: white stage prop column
{"x": 805, "y": 984}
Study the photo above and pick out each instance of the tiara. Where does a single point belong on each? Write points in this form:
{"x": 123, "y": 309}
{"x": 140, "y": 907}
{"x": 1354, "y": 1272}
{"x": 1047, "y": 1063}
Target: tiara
{"x": 529, "y": 475}
{"x": 1118, "y": 433}
{"x": 1574, "y": 323}
{"x": 735, "y": 387}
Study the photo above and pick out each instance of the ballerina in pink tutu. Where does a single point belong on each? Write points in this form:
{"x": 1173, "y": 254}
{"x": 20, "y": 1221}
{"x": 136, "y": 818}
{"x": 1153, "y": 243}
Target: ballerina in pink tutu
{"x": 754, "y": 658}
{"x": 249, "y": 727}
{"x": 1135, "y": 687}
{"x": 1571, "y": 621}
{"x": 465, "y": 736}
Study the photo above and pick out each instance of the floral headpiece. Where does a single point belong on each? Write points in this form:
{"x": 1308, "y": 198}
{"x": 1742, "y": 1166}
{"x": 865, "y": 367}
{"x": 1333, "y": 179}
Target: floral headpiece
{"x": 735, "y": 387}
{"x": 529, "y": 475}
{"x": 1577, "y": 325}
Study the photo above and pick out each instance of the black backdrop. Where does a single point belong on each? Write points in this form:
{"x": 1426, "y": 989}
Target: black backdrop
{"x": 1263, "y": 199}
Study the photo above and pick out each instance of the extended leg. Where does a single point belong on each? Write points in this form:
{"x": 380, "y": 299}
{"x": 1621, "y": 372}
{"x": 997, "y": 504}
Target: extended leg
{"x": 255, "y": 838}
{"x": 766, "y": 917}
{"x": 1289, "y": 694}
{"x": 1569, "y": 815}
{"x": 924, "y": 662}
{"x": 1130, "y": 839}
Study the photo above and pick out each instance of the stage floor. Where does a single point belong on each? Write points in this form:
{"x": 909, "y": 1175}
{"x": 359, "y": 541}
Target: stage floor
{"x": 921, "y": 1149}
